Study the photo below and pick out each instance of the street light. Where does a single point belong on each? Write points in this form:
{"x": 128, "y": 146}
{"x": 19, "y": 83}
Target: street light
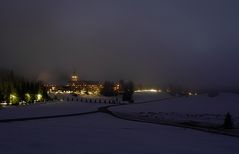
{"x": 27, "y": 97}
{"x": 13, "y": 99}
{"x": 39, "y": 97}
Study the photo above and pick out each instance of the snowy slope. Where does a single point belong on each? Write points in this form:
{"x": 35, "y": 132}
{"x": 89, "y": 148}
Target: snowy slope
{"x": 101, "y": 133}
{"x": 221, "y": 104}
{"x": 201, "y": 108}
{"x": 48, "y": 109}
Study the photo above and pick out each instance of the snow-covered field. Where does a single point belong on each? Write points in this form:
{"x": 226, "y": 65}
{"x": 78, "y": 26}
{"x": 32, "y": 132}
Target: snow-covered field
{"x": 48, "y": 109}
{"x": 69, "y": 105}
{"x": 101, "y": 133}
{"x": 200, "y": 108}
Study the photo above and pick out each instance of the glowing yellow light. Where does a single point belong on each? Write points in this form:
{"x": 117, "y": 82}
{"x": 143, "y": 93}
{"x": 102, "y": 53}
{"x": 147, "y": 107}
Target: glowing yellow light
{"x": 74, "y": 78}
{"x": 12, "y": 96}
{"x": 39, "y": 97}
{"x": 13, "y": 99}
{"x": 27, "y": 97}
{"x": 148, "y": 90}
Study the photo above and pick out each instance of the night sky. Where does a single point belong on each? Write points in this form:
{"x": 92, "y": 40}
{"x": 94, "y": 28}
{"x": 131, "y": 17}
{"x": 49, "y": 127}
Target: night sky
{"x": 192, "y": 43}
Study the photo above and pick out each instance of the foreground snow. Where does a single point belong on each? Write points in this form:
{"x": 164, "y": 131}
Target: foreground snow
{"x": 101, "y": 133}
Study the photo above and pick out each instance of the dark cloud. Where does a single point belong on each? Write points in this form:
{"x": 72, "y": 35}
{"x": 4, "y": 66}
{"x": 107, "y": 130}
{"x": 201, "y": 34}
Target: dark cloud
{"x": 188, "y": 42}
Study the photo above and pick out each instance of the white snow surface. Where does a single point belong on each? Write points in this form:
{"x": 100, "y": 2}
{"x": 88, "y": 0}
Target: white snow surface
{"x": 211, "y": 110}
{"x": 48, "y": 109}
{"x": 201, "y": 104}
{"x": 100, "y": 133}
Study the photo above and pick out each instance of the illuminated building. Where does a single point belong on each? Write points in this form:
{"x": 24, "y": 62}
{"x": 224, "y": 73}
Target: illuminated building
{"x": 83, "y": 87}
{"x": 74, "y": 77}
{"x": 77, "y": 86}
{"x": 74, "y": 80}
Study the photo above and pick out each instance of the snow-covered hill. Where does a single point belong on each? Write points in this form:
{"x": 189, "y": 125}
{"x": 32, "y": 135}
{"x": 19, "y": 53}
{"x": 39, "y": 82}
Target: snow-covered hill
{"x": 101, "y": 133}
{"x": 200, "y": 108}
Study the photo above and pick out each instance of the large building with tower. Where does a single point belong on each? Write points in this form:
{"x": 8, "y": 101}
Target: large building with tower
{"x": 82, "y": 86}
{"x": 79, "y": 86}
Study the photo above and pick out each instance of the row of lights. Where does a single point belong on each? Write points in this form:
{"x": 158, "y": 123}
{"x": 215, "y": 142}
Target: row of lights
{"x": 14, "y": 98}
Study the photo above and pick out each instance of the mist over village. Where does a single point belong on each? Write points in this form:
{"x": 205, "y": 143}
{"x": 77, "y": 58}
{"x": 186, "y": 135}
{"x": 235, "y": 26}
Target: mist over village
{"x": 120, "y": 77}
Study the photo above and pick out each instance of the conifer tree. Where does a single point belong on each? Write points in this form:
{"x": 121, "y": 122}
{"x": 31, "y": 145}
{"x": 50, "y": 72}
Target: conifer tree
{"x": 228, "y": 122}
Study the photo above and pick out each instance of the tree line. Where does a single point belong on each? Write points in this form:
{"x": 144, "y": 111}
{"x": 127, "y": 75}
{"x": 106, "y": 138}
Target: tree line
{"x": 126, "y": 89}
{"x": 15, "y": 89}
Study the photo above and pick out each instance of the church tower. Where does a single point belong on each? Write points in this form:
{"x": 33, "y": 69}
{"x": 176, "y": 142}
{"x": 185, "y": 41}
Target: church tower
{"x": 74, "y": 82}
{"x": 74, "y": 77}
